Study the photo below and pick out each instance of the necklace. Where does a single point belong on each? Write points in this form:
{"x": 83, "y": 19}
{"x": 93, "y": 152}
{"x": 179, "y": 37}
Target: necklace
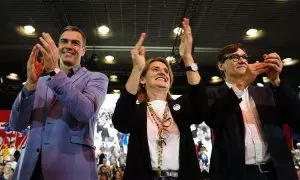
{"x": 163, "y": 133}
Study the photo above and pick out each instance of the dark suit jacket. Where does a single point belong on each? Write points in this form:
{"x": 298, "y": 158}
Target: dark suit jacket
{"x": 275, "y": 107}
{"x": 130, "y": 117}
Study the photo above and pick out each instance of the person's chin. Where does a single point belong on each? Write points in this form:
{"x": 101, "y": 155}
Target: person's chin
{"x": 241, "y": 71}
{"x": 68, "y": 62}
{"x": 163, "y": 85}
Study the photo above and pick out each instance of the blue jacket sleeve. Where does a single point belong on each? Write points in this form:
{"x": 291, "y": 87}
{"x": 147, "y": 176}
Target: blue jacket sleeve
{"x": 21, "y": 110}
{"x": 81, "y": 104}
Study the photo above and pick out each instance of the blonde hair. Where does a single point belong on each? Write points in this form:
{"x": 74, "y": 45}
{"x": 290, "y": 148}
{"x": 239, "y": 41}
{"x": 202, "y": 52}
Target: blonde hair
{"x": 142, "y": 93}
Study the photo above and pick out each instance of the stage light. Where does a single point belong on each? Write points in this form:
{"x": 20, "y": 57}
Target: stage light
{"x": 215, "y": 79}
{"x": 252, "y": 32}
{"x": 289, "y": 61}
{"x": 28, "y": 29}
{"x": 103, "y": 29}
{"x": 178, "y": 31}
{"x": 13, "y": 76}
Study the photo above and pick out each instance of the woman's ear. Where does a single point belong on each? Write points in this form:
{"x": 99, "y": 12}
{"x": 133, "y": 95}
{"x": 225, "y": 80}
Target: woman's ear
{"x": 142, "y": 81}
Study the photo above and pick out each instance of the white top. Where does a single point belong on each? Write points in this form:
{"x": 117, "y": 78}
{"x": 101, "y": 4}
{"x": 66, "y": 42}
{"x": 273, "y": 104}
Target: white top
{"x": 170, "y": 155}
{"x": 256, "y": 148}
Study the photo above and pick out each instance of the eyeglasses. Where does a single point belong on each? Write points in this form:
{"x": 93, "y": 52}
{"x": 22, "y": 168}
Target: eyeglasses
{"x": 236, "y": 57}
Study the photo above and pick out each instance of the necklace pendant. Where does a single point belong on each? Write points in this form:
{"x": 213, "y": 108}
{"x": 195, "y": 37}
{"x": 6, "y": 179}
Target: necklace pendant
{"x": 159, "y": 171}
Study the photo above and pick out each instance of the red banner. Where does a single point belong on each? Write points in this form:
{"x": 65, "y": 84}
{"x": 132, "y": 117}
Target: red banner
{"x": 9, "y": 136}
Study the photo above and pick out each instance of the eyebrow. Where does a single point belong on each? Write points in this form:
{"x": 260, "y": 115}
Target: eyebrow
{"x": 72, "y": 40}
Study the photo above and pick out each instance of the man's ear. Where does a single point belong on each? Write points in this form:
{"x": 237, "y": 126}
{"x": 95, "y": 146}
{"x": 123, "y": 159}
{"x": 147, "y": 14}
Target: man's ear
{"x": 83, "y": 51}
{"x": 221, "y": 67}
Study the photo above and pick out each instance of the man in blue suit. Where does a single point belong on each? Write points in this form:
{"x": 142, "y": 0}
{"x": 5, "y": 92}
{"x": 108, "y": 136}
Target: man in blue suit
{"x": 61, "y": 110}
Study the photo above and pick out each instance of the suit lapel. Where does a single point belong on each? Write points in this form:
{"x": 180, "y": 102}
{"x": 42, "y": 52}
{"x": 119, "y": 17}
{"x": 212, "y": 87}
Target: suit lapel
{"x": 73, "y": 79}
{"x": 142, "y": 116}
{"x": 172, "y": 106}
{"x": 77, "y": 75}
{"x": 223, "y": 89}
{"x": 253, "y": 93}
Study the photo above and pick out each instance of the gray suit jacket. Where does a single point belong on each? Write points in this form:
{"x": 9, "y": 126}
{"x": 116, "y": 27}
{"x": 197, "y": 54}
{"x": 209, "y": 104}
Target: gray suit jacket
{"x": 61, "y": 113}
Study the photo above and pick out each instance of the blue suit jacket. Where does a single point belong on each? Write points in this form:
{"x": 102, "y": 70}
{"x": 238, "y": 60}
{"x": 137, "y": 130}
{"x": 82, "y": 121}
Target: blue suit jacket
{"x": 61, "y": 113}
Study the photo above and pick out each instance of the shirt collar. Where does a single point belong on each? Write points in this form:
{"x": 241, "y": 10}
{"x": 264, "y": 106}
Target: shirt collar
{"x": 74, "y": 70}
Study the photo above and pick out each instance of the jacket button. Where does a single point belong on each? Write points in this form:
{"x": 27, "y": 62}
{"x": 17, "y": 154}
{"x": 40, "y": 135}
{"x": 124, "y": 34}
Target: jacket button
{"x": 37, "y": 150}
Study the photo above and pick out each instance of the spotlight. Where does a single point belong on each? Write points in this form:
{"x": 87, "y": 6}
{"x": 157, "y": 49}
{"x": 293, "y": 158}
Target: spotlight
{"x": 178, "y": 31}
{"x": 109, "y": 59}
{"x": 13, "y": 76}
{"x": 103, "y": 29}
{"x": 28, "y": 29}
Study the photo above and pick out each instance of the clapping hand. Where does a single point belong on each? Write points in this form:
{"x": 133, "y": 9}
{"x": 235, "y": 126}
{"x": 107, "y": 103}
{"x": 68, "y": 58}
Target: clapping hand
{"x": 275, "y": 65}
{"x": 138, "y": 53}
{"x": 49, "y": 52}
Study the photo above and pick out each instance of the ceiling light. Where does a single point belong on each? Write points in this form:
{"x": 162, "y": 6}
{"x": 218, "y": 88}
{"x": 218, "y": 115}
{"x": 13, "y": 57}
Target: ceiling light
{"x": 289, "y": 61}
{"x": 252, "y": 32}
{"x": 171, "y": 59}
{"x": 178, "y": 31}
{"x": 28, "y": 29}
{"x": 103, "y": 29}
{"x": 116, "y": 91}
{"x": 109, "y": 59}
{"x": 260, "y": 84}
{"x": 113, "y": 78}
{"x": 215, "y": 79}
{"x": 13, "y": 76}
{"x": 266, "y": 79}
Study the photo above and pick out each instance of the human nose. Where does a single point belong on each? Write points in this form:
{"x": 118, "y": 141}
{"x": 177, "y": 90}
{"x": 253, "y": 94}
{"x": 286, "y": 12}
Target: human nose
{"x": 242, "y": 59}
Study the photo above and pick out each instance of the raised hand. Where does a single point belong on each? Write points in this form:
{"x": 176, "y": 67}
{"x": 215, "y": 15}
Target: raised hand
{"x": 252, "y": 71}
{"x": 185, "y": 48}
{"x": 138, "y": 53}
{"x": 49, "y": 51}
{"x": 275, "y": 65}
{"x": 35, "y": 69}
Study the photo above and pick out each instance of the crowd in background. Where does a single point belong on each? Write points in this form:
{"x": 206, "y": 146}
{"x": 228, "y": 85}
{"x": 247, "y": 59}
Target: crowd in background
{"x": 111, "y": 161}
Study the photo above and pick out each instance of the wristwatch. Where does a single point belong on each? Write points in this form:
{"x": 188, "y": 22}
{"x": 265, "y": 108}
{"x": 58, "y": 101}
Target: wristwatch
{"x": 193, "y": 67}
{"x": 54, "y": 72}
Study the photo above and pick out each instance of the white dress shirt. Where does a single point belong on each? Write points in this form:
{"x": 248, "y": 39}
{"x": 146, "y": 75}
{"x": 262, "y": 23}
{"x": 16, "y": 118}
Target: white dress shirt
{"x": 256, "y": 148}
{"x": 170, "y": 155}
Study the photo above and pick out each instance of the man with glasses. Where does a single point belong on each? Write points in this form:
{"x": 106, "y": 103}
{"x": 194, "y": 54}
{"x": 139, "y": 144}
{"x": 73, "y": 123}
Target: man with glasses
{"x": 247, "y": 120}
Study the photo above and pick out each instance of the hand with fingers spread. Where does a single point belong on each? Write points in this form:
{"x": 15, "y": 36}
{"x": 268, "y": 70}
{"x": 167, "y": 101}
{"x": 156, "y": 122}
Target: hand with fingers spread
{"x": 274, "y": 64}
{"x": 138, "y": 53}
{"x": 49, "y": 52}
{"x": 252, "y": 71}
{"x": 34, "y": 69}
{"x": 185, "y": 48}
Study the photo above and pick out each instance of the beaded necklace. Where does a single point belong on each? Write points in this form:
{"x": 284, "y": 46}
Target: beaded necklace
{"x": 163, "y": 133}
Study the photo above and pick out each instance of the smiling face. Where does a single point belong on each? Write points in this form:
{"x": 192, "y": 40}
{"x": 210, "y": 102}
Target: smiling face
{"x": 235, "y": 64}
{"x": 71, "y": 47}
{"x": 157, "y": 76}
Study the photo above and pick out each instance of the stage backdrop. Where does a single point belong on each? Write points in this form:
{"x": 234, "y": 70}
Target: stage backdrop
{"x": 6, "y": 135}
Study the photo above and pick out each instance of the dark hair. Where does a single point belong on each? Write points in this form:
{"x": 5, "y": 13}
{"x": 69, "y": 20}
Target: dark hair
{"x": 231, "y": 48}
{"x": 142, "y": 90}
{"x": 75, "y": 28}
